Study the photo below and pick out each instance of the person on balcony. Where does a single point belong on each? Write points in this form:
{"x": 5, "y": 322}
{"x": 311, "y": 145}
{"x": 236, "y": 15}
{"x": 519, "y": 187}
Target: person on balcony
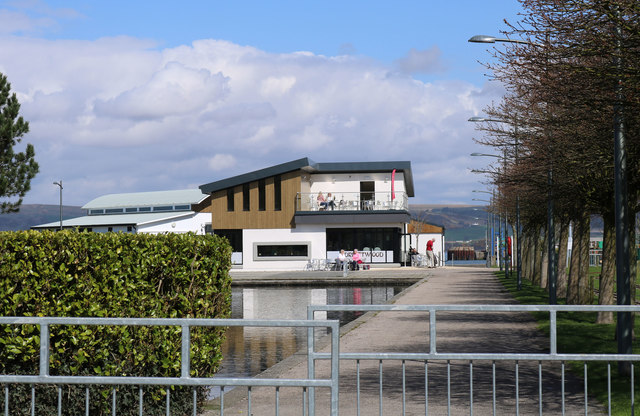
{"x": 331, "y": 201}
{"x": 322, "y": 203}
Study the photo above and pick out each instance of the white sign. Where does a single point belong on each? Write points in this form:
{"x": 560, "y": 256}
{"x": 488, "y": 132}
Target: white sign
{"x": 367, "y": 256}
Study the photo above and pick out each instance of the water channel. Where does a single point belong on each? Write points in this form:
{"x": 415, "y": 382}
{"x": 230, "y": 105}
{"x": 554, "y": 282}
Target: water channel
{"x": 248, "y": 351}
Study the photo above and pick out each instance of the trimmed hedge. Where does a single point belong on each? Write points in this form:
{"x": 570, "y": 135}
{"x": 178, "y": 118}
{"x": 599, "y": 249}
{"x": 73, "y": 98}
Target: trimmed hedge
{"x": 111, "y": 275}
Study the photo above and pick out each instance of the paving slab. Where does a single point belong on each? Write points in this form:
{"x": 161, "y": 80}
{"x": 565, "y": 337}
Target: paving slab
{"x": 470, "y": 387}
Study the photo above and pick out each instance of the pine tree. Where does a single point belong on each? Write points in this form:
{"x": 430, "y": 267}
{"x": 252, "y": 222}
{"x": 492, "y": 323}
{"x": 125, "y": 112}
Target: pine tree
{"x": 16, "y": 169}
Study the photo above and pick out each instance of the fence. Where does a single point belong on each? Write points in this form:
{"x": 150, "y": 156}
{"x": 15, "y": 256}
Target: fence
{"x": 434, "y": 357}
{"x": 44, "y": 378}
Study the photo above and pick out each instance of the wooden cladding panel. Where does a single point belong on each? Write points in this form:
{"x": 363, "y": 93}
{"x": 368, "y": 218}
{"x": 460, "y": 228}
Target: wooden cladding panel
{"x": 255, "y": 219}
{"x": 423, "y": 228}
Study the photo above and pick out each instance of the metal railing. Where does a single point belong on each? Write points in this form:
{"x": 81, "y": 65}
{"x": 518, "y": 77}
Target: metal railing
{"x": 433, "y": 356}
{"x": 44, "y": 378}
{"x": 352, "y": 201}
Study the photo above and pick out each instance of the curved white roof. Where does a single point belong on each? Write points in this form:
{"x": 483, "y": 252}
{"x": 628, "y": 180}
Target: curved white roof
{"x": 147, "y": 199}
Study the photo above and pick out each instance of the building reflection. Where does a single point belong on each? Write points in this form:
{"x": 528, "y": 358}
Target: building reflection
{"x": 248, "y": 351}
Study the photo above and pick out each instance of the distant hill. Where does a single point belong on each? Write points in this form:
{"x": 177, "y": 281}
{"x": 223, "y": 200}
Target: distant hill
{"x": 35, "y": 214}
{"x": 461, "y": 222}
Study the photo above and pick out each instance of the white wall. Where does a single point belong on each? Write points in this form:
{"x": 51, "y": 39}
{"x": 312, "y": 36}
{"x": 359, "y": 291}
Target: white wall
{"x": 194, "y": 223}
{"x": 419, "y": 242}
{"x": 314, "y": 234}
{"x": 349, "y": 183}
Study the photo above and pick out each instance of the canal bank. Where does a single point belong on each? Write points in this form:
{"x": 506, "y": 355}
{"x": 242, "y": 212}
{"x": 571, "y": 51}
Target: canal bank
{"x": 375, "y": 276}
{"x": 409, "y": 332}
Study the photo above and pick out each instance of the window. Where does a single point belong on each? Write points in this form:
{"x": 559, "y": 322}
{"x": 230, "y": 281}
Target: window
{"x": 144, "y": 209}
{"x": 165, "y": 208}
{"x": 131, "y": 210}
{"x": 113, "y": 211}
{"x": 277, "y": 193}
{"x": 262, "y": 200}
{"x": 230, "y": 202}
{"x": 234, "y": 237}
{"x": 281, "y": 251}
{"x": 246, "y": 200}
{"x": 129, "y": 228}
{"x": 182, "y": 207}
{"x": 96, "y": 211}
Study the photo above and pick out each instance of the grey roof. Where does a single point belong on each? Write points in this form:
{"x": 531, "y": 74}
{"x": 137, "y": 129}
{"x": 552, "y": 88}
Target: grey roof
{"x": 308, "y": 165}
{"x": 147, "y": 199}
{"x": 117, "y": 219}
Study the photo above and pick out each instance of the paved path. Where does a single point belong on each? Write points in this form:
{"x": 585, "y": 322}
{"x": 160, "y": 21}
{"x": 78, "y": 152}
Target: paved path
{"x": 408, "y": 332}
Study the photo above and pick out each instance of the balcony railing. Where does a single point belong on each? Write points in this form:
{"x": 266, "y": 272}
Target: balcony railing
{"x": 352, "y": 201}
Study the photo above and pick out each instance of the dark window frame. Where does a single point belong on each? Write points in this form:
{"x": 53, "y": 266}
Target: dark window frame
{"x": 282, "y": 251}
{"x": 262, "y": 197}
{"x": 231, "y": 206}
{"x": 246, "y": 197}
{"x": 277, "y": 193}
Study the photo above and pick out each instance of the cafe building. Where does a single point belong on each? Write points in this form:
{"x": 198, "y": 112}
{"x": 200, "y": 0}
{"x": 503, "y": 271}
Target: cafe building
{"x": 291, "y": 215}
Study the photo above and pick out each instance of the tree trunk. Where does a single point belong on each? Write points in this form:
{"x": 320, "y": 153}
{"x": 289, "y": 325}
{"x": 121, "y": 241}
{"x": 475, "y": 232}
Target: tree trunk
{"x": 574, "y": 265}
{"x": 562, "y": 258}
{"x": 608, "y": 274}
{"x": 585, "y": 296}
{"x": 526, "y": 242}
{"x": 544, "y": 260}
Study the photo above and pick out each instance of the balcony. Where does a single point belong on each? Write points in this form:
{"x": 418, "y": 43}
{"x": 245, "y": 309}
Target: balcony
{"x": 354, "y": 202}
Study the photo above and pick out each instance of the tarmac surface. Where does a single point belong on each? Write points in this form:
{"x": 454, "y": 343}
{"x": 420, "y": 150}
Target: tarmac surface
{"x": 457, "y": 332}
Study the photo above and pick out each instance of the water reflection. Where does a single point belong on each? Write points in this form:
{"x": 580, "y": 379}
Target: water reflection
{"x": 248, "y": 351}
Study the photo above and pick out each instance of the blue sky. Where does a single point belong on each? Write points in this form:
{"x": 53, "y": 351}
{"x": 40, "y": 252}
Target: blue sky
{"x": 141, "y": 96}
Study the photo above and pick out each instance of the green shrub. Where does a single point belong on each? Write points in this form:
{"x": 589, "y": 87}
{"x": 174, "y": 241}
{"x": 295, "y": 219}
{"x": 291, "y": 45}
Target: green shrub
{"x": 111, "y": 275}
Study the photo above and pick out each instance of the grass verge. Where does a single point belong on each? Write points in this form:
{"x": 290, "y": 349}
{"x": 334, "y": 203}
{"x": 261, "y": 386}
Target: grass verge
{"x": 577, "y": 332}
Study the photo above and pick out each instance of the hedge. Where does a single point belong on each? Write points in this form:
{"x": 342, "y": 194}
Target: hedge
{"x": 77, "y": 274}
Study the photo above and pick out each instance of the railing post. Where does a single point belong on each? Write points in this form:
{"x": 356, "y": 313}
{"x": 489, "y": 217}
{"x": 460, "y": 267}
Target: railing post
{"x": 553, "y": 332}
{"x": 432, "y": 331}
{"x": 311, "y": 369}
{"x": 44, "y": 350}
{"x": 186, "y": 352}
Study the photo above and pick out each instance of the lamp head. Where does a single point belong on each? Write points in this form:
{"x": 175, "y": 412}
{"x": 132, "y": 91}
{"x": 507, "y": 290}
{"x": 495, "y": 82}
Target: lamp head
{"x": 482, "y": 39}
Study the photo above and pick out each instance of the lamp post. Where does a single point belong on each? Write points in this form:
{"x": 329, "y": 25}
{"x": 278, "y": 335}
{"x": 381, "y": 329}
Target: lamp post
{"x": 506, "y": 232}
{"x": 60, "y": 185}
{"x": 518, "y": 241}
{"x": 489, "y": 235}
{"x": 551, "y": 268}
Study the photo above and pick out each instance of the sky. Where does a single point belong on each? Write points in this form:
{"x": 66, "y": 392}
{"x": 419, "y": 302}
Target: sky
{"x": 135, "y": 96}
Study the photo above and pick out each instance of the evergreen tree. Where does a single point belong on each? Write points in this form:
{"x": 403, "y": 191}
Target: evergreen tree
{"x": 16, "y": 169}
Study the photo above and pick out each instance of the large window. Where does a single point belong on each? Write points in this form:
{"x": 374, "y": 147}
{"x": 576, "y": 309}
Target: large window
{"x": 246, "y": 199}
{"x": 234, "y": 237}
{"x": 350, "y": 238}
{"x": 277, "y": 193}
{"x": 281, "y": 251}
{"x": 262, "y": 198}
{"x": 230, "y": 202}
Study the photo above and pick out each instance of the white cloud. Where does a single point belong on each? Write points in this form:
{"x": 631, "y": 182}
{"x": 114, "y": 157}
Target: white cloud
{"x": 422, "y": 62}
{"x": 130, "y": 117}
{"x": 222, "y": 162}
{"x": 172, "y": 91}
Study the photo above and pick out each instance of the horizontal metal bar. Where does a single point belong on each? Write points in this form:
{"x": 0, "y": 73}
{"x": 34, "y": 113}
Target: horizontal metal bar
{"x": 482, "y": 308}
{"x": 192, "y": 322}
{"x": 166, "y": 381}
{"x": 479, "y": 357}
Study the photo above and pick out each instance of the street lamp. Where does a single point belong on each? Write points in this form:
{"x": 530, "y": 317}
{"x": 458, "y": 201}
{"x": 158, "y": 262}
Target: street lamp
{"x": 60, "y": 185}
{"x": 489, "y": 243}
{"x": 506, "y": 232}
{"x": 551, "y": 267}
{"x": 477, "y": 119}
